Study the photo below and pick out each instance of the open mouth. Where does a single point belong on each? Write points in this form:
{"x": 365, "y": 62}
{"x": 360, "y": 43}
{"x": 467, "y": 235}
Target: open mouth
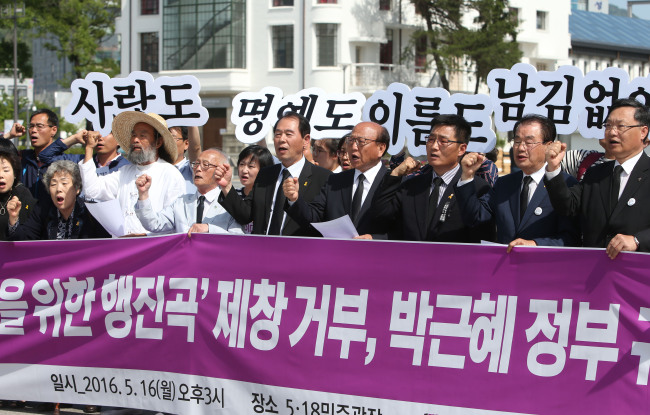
{"x": 60, "y": 199}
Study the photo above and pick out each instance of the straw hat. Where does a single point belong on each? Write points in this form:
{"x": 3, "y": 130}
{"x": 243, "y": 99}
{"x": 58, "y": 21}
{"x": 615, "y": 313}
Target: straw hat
{"x": 123, "y": 125}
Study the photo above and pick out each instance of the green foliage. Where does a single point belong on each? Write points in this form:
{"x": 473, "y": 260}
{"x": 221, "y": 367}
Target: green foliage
{"x": 76, "y": 28}
{"x": 490, "y": 43}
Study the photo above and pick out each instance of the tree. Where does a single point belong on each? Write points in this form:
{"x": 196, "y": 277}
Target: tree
{"x": 76, "y": 29}
{"x": 489, "y": 43}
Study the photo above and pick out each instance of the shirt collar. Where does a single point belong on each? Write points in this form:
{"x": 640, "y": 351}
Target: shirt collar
{"x": 629, "y": 164}
{"x": 538, "y": 175}
{"x": 295, "y": 168}
{"x": 211, "y": 195}
{"x": 449, "y": 175}
{"x": 369, "y": 174}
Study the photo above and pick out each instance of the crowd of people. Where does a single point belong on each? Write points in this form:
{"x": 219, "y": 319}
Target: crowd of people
{"x": 554, "y": 198}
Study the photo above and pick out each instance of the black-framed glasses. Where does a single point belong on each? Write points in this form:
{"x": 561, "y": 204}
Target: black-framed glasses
{"x": 442, "y": 141}
{"x": 619, "y": 127}
{"x": 360, "y": 141}
{"x": 204, "y": 165}
{"x": 527, "y": 144}
{"x": 38, "y": 126}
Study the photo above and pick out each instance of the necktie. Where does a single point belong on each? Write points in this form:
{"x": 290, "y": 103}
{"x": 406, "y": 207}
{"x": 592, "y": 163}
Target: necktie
{"x": 616, "y": 187}
{"x": 433, "y": 200}
{"x": 523, "y": 197}
{"x": 278, "y": 207}
{"x": 356, "y": 200}
{"x": 199, "y": 209}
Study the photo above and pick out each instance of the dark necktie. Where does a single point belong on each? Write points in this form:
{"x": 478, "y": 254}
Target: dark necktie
{"x": 523, "y": 197}
{"x": 278, "y": 207}
{"x": 433, "y": 200}
{"x": 199, "y": 209}
{"x": 356, "y": 200}
{"x": 616, "y": 187}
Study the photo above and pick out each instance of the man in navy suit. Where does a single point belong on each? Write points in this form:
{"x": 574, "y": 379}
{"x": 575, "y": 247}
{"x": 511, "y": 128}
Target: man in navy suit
{"x": 519, "y": 202}
{"x": 350, "y": 192}
{"x": 264, "y": 205}
{"x": 613, "y": 200}
{"x": 425, "y": 207}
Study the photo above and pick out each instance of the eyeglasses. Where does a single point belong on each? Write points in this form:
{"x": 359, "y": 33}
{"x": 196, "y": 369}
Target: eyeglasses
{"x": 39, "y": 126}
{"x": 528, "y": 145}
{"x": 360, "y": 141}
{"x": 442, "y": 142}
{"x": 620, "y": 127}
{"x": 317, "y": 150}
{"x": 204, "y": 165}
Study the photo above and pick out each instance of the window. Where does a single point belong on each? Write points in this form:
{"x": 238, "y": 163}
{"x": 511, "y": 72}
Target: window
{"x": 203, "y": 34}
{"x": 384, "y": 4}
{"x": 282, "y": 43}
{"x": 149, "y": 6}
{"x": 326, "y": 38}
{"x": 149, "y": 52}
{"x": 326, "y": 1}
{"x": 513, "y": 12}
{"x": 541, "y": 66}
{"x": 541, "y": 20}
{"x": 279, "y": 3}
{"x": 386, "y": 51}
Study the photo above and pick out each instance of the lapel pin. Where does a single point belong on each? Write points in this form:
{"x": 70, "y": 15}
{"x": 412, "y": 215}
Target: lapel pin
{"x": 631, "y": 202}
{"x": 640, "y": 179}
{"x": 451, "y": 195}
{"x": 538, "y": 211}
{"x": 305, "y": 184}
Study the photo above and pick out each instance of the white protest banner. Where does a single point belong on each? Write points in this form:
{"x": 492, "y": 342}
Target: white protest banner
{"x": 407, "y": 115}
{"x": 330, "y": 115}
{"x": 98, "y": 98}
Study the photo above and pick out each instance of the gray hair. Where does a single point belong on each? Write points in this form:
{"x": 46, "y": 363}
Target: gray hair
{"x": 63, "y": 166}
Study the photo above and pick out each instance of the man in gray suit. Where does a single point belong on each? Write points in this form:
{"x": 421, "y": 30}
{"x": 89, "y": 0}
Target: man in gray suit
{"x": 196, "y": 212}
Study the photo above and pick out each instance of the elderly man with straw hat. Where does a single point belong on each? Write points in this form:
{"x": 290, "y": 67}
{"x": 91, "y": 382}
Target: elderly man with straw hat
{"x": 151, "y": 149}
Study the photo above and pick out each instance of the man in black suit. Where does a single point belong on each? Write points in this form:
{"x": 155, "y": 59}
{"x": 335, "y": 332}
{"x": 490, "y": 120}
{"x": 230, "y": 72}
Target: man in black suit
{"x": 519, "y": 202}
{"x": 424, "y": 208}
{"x": 350, "y": 192}
{"x": 264, "y": 205}
{"x": 613, "y": 199}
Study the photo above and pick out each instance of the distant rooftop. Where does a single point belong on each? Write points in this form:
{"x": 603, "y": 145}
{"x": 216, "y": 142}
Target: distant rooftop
{"x": 604, "y": 31}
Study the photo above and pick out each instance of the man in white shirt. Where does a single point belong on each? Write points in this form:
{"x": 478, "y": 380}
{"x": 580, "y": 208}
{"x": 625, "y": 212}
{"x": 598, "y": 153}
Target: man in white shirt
{"x": 151, "y": 149}
{"x": 196, "y": 212}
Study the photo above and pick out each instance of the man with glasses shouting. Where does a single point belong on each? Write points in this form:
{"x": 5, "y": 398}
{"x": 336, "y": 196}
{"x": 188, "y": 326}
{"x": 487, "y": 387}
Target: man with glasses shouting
{"x": 519, "y": 203}
{"x": 350, "y": 192}
{"x": 613, "y": 200}
{"x": 425, "y": 208}
{"x": 196, "y": 212}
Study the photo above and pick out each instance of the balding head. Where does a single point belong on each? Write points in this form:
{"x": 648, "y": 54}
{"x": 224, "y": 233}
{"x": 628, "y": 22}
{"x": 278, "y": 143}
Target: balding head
{"x": 204, "y": 173}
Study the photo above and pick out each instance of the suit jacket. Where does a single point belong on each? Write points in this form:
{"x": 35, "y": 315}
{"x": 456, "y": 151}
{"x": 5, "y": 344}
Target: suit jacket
{"x": 256, "y": 207}
{"x": 540, "y": 222}
{"x": 335, "y": 201}
{"x": 181, "y": 215}
{"x": 404, "y": 205}
{"x": 589, "y": 200}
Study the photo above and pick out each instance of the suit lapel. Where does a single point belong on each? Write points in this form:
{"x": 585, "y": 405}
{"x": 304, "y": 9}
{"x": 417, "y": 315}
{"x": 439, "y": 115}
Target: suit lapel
{"x": 422, "y": 203}
{"x": 304, "y": 178}
{"x": 538, "y": 196}
{"x": 368, "y": 202}
{"x": 605, "y": 186}
{"x": 346, "y": 189}
{"x": 514, "y": 198}
{"x": 637, "y": 178}
{"x": 270, "y": 193}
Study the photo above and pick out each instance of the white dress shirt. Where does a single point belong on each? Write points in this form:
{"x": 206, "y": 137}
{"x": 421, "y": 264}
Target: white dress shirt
{"x": 167, "y": 184}
{"x": 181, "y": 215}
{"x": 294, "y": 171}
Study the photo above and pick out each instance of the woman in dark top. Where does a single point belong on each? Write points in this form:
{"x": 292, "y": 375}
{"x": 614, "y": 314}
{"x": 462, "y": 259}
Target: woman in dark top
{"x": 10, "y": 187}
{"x": 65, "y": 218}
{"x": 251, "y": 160}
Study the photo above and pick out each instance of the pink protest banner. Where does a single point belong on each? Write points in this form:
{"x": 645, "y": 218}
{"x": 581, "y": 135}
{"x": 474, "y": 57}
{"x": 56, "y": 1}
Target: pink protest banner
{"x": 244, "y": 324}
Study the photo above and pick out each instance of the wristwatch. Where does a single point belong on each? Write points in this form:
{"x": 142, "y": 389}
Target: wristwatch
{"x": 636, "y": 241}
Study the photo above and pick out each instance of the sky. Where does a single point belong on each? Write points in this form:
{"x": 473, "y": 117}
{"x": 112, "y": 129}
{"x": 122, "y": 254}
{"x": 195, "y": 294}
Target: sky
{"x": 642, "y": 10}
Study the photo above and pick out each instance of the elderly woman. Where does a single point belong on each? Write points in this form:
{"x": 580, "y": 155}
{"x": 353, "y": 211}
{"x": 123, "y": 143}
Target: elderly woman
{"x": 65, "y": 218}
{"x": 11, "y": 187}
